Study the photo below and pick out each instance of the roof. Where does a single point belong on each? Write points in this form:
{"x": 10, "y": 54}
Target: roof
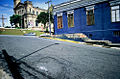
{"x": 72, "y": 4}
{"x": 66, "y": 3}
{"x": 19, "y": 5}
{"x": 30, "y": 2}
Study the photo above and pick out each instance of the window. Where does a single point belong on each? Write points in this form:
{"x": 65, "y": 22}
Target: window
{"x": 90, "y": 15}
{"x": 115, "y": 13}
{"x": 33, "y": 12}
{"x": 30, "y": 10}
{"x": 116, "y": 33}
{"x": 70, "y": 17}
{"x": 90, "y": 35}
{"x": 37, "y": 13}
{"x": 59, "y": 21}
{"x": 36, "y": 23}
{"x": 22, "y": 11}
{"x": 18, "y": 12}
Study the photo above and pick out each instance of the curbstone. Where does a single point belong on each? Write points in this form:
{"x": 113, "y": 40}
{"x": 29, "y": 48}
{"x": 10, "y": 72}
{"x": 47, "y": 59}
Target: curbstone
{"x": 86, "y": 40}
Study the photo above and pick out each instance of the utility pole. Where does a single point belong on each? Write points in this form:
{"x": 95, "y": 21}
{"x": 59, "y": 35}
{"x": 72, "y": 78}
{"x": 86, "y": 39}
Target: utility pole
{"x": 3, "y": 20}
{"x": 48, "y": 2}
{"x": 21, "y": 21}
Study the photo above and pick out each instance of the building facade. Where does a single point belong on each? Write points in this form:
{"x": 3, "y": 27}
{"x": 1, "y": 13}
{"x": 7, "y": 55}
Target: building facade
{"x": 28, "y": 12}
{"x": 98, "y": 19}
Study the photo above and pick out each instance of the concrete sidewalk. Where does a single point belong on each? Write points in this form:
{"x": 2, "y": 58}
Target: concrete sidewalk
{"x": 81, "y": 39}
{"x": 115, "y": 45}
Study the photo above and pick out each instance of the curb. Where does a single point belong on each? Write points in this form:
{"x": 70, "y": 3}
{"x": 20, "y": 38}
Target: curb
{"x": 115, "y": 48}
{"x": 95, "y": 45}
{"x": 63, "y": 40}
{"x": 76, "y": 42}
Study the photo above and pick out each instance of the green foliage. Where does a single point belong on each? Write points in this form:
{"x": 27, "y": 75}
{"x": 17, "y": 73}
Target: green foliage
{"x": 44, "y": 18}
{"x": 10, "y": 32}
{"x": 14, "y": 19}
{"x": 18, "y": 32}
{"x": 18, "y": 28}
{"x": 51, "y": 8}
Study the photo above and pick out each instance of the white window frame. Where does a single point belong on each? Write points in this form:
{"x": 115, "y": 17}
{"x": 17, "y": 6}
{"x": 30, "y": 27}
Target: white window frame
{"x": 70, "y": 12}
{"x": 58, "y": 15}
{"x": 117, "y": 16}
{"x": 88, "y": 9}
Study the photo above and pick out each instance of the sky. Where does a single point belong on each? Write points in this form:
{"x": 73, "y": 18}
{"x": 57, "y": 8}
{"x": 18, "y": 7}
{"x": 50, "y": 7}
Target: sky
{"x": 6, "y": 7}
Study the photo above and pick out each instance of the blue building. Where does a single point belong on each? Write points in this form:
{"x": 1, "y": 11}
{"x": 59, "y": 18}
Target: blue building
{"x": 98, "y": 19}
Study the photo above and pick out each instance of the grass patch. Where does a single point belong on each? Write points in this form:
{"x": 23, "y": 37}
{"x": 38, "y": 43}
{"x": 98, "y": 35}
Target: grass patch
{"x": 10, "y": 32}
{"x": 18, "y": 32}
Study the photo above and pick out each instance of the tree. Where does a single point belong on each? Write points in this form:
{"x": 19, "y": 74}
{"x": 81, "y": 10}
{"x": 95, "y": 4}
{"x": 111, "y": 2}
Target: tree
{"x": 51, "y": 8}
{"x": 14, "y": 19}
{"x": 44, "y": 18}
{"x": 51, "y": 13}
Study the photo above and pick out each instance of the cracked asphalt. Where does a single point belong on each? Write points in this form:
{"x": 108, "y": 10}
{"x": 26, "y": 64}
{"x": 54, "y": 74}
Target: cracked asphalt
{"x": 61, "y": 60}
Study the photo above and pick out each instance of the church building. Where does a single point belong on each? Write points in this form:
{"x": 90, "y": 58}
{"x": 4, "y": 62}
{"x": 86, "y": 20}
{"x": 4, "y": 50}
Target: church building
{"x": 28, "y": 12}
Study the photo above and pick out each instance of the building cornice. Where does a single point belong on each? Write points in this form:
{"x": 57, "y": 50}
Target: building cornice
{"x": 114, "y": 2}
{"x": 25, "y": 3}
{"x": 19, "y": 5}
{"x": 74, "y": 4}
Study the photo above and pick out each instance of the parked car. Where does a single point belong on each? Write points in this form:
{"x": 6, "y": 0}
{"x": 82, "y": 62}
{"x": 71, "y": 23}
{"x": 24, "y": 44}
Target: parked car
{"x": 30, "y": 34}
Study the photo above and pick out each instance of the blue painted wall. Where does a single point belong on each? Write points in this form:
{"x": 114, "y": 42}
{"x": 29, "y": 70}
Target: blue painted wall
{"x": 101, "y": 30}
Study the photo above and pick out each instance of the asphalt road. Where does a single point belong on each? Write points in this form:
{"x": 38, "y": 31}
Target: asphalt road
{"x": 62, "y": 60}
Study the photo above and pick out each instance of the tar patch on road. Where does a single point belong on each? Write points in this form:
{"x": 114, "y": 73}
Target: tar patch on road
{"x": 49, "y": 68}
{"x": 57, "y": 68}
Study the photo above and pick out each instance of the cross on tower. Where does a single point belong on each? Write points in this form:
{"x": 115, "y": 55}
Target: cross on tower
{"x": 3, "y": 20}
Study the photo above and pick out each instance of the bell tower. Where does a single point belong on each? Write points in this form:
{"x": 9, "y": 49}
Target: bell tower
{"x": 16, "y": 2}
